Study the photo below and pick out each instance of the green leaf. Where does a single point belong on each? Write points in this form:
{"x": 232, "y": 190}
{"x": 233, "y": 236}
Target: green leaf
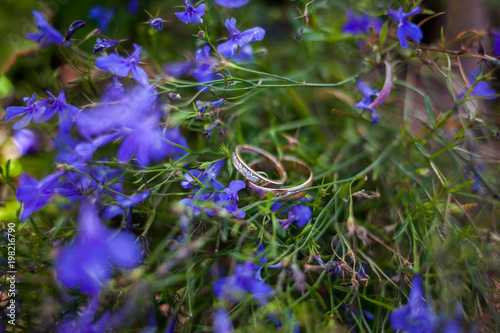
{"x": 383, "y": 33}
{"x": 429, "y": 110}
{"x": 402, "y": 228}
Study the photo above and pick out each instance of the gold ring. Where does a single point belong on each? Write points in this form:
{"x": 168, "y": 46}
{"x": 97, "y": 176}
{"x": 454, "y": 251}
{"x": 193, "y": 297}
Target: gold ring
{"x": 250, "y": 174}
{"x": 291, "y": 193}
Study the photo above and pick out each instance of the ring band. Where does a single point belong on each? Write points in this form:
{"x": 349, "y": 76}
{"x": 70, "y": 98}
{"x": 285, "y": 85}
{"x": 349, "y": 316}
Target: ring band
{"x": 252, "y": 175}
{"x": 294, "y": 192}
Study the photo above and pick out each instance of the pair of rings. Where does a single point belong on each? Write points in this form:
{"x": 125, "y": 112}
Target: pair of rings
{"x": 264, "y": 185}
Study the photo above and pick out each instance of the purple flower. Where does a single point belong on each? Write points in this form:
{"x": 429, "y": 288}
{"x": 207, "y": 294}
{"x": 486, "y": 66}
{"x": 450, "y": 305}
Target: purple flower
{"x": 496, "y": 42}
{"x": 229, "y": 198}
{"x": 369, "y": 96}
{"x": 222, "y": 322}
{"x": 202, "y": 68}
{"x": 46, "y": 34}
{"x": 121, "y": 67}
{"x": 482, "y": 88}
{"x": 358, "y": 24}
{"x": 191, "y": 14}
{"x": 299, "y": 213}
{"x": 103, "y": 44}
{"x": 406, "y": 28}
{"x": 207, "y": 177}
{"x": 417, "y": 316}
{"x": 332, "y": 267}
{"x": 237, "y": 38}
{"x": 35, "y": 111}
{"x": 231, "y": 3}
{"x": 26, "y": 142}
{"x": 243, "y": 282}
{"x": 102, "y": 15}
{"x": 244, "y": 54}
{"x": 86, "y": 264}
{"x": 79, "y": 24}
{"x": 204, "y": 106}
{"x": 124, "y": 203}
{"x": 157, "y": 24}
{"x": 67, "y": 113}
{"x": 35, "y": 194}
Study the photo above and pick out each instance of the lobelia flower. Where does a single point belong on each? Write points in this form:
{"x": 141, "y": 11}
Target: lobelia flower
{"x": 229, "y": 198}
{"x": 82, "y": 322}
{"x": 79, "y": 24}
{"x": 122, "y": 66}
{"x": 157, "y": 24}
{"x": 291, "y": 320}
{"x": 202, "y": 68}
{"x": 191, "y": 14}
{"x": 103, "y": 44}
{"x": 406, "y": 28}
{"x": 102, "y": 15}
{"x": 35, "y": 194}
{"x": 496, "y": 42}
{"x": 369, "y": 96}
{"x": 482, "y": 88}
{"x": 332, "y": 267}
{"x": 87, "y": 263}
{"x": 299, "y": 213}
{"x": 202, "y": 107}
{"x": 358, "y": 24}
{"x": 243, "y": 282}
{"x": 46, "y": 34}
{"x": 67, "y": 113}
{"x": 244, "y": 54}
{"x": 26, "y": 142}
{"x": 124, "y": 203}
{"x": 35, "y": 111}
{"x": 237, "y": 38}
{"x": 231, "y": 3}
{"x": 222, "y": 322}
{"x": 417, "y": 316}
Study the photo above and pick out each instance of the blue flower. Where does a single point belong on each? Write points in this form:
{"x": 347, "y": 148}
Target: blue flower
{"x": 67, "y": 113}
{"x": 357, "y": 24}
{"x": 207, "y": 177}
{"x": 291, "y": 320}
{"x": 244, "y": 54}
{"x": 103, "y": 44}
{"x": 332, "y": 267}
{"x": 121, "y": 67}
{"x": 78, "y": 24}
{"x": 46, "y": 34}
{"x": 191, "y": 14}
{"x": 26, "y": 142}
{"x": 229, "y": 198}
{"x": 102, "y": 15}
{"x": 202, "y": 68}
{"x": 243, "y": 282}
{"x": 496, "y": 42}
{"x": 369, "y": 96}
{"x": 157, "y": 24}
{"x": 231, "y": 3}
{"x": 237, "y": 38}
{"x": 124, "y": 203}
{"x": 482, "y": 88}
{"x": 35, "y": 194}
{"x": 222, "y": 322}
{"x": 299, "y": 213}
{"x": 204, "y": 106}
{"x": 417, "y": 316}
{"x": 86, "y": 264}
{"x": 406, "y": 28}
{"x": 35, "y": 111}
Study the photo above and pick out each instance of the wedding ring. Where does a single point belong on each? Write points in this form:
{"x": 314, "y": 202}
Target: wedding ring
{"x": 286, "y": 193}
{"x": 250, "y": 174}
